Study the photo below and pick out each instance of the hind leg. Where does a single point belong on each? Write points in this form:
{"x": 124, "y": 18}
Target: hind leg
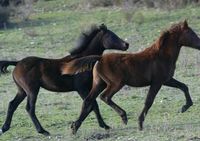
{"x": 107, "y": 95}
{"x": 95, "y": 108}
{"x": 114, "y": 84}
{"x": 30, "y": 107}
{"x": 99, "y": 117}
{"x": 87, "y": 106}
{"x": 12, "y": 107}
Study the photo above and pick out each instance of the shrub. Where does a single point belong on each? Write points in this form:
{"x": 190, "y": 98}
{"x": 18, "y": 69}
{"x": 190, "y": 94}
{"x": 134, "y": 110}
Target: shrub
{"x": 166, "y": 4}
{"x": 4, "y": 16}
{"x": 14, "y": 8}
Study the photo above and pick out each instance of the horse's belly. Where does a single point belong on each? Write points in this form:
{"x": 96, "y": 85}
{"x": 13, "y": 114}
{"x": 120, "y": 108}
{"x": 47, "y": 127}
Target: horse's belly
{"x": 138, "y": 83}
{"x": 139, "y": 79}
{"x": 58, "y": 84}
{"x": 67, "y": 83}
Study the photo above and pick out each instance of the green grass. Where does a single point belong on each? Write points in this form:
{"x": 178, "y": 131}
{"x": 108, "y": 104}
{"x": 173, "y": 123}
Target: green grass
{"x": 52, "y": 31}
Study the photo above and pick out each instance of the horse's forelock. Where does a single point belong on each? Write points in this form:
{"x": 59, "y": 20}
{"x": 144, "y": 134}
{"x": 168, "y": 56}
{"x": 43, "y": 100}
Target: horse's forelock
{"x": 103, "y": 27}
{"x": 178, "y": 27}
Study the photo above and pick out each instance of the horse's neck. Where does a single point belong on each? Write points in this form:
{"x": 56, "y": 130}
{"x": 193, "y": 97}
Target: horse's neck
{"x": 171, "y": 52}
{"x": 98, "y": 50}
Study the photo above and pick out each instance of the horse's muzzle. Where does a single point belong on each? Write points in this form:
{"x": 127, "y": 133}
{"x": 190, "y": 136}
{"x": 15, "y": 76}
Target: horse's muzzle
{"x": 126, "y": 46}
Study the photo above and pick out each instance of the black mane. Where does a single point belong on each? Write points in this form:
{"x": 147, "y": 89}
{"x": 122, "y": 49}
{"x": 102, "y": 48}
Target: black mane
{"x": 85, "y": 38}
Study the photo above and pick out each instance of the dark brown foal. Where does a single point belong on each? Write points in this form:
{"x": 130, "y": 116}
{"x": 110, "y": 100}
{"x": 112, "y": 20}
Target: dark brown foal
{"x": 31, "y": 73}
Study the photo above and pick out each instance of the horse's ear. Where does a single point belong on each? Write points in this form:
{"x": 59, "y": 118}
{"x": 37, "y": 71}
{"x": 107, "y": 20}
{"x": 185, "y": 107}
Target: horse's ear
{"x": 103, "y": 27}
{"x": 185, "y": 24}
{"x": 164, "y": 36}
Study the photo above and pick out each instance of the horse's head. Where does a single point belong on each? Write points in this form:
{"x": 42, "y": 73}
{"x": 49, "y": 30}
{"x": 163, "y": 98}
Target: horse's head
{"x": 111, "y": 40}
{"x": 96, "y": 40}
{"x": 188, "y": 37}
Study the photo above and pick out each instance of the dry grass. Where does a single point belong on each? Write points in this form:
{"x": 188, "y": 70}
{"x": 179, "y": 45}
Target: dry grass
{"x": 21, "y": 11}
{"x": 166, "y": 4}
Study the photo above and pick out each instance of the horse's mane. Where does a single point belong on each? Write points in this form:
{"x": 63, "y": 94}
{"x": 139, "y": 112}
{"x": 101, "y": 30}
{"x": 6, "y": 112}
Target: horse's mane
{"x": 176, "y": 27}
{"x": 173, "y": 30}
{"x": 160, "y": 43}
{"x": 85, "y": 38}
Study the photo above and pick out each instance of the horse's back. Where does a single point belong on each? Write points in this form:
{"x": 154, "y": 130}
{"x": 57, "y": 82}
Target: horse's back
{"x": 126, "y": 68}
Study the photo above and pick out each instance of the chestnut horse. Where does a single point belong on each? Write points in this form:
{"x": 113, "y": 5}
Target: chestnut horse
{"x": 31, "y": 73}
{"x": 152, "y": 67}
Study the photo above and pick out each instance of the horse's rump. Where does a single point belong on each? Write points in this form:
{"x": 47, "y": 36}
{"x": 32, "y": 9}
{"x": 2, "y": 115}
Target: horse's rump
{"x": 79, "y": 65}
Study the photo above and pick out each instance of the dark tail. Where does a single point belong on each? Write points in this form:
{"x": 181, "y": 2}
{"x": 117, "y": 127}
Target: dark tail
{"x": 4, "y": 65}
{"x": 80, "y": 65}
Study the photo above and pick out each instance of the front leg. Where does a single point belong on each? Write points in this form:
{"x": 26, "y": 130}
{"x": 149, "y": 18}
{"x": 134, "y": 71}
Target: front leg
{"x": 154, "y": 88}
{"x": 84, "y": 93}
{"x": 177, "y": 84}
{"x": 87, "y": 106}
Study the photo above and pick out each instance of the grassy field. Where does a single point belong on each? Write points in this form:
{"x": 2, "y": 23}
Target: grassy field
{"x": 51, "y": 32}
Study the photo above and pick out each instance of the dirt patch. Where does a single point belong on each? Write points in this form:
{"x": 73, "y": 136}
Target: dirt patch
{"x": 98, "y": 136}
{"x": 194, "y": 139}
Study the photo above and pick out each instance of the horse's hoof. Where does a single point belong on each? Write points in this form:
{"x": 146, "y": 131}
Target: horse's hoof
{"x": 1, "y": 132}
{"x": 44, "y": 132}
{"x": 185, "y": 108}
{"x": 140, "y": 125}
{"x": 106, "y": 127}
{"x": 140, "y": 128}
{"x": 74, "y": 128}
{"x": 125, "y": 120}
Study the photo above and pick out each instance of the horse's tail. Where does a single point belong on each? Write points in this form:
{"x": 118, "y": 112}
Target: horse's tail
{"x": 80, "y": 65}
{"x": 4, "y": 65}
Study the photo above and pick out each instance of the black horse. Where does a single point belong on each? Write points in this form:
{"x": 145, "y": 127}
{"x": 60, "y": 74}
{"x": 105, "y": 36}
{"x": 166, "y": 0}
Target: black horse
{"x": 31, "y": 73}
